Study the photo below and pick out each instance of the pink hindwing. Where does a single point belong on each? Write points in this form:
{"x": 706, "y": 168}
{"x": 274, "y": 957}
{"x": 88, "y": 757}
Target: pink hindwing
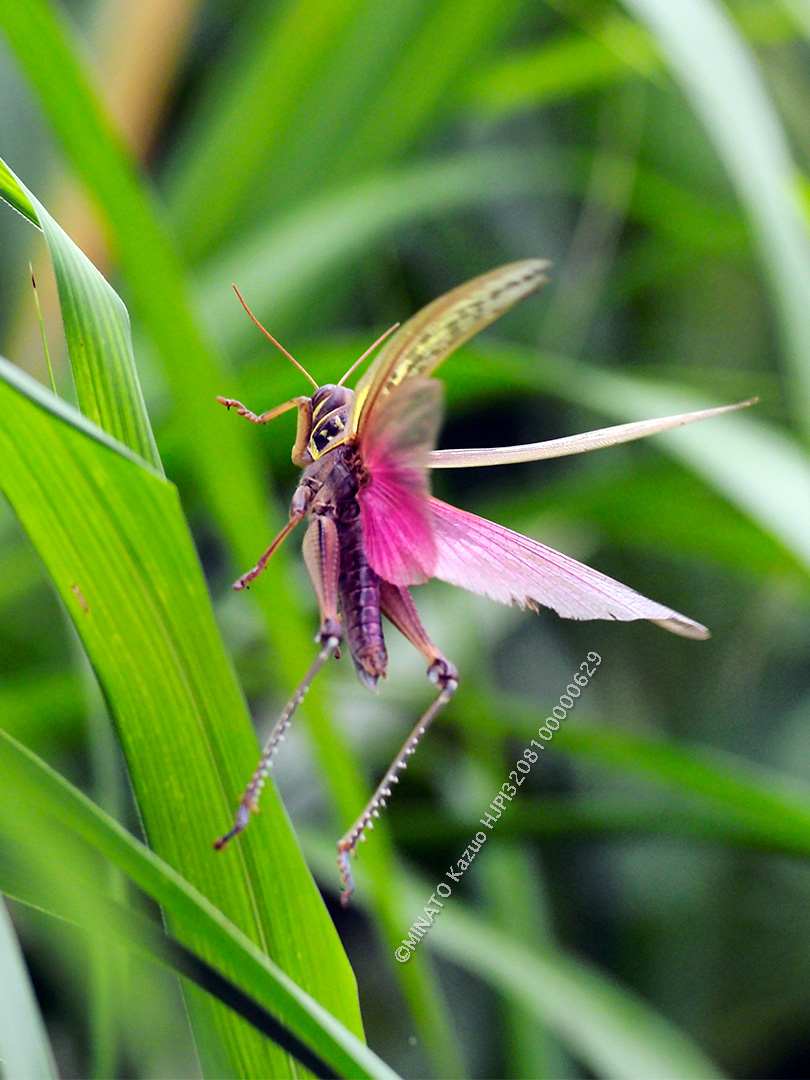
{"x": 488, "y": 559}
{"x": 394, "y": 498}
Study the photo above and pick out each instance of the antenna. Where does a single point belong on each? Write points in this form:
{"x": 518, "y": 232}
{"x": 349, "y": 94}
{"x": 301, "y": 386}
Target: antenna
{"x": 300, "y": 367}
{"x": 379, "y": 341}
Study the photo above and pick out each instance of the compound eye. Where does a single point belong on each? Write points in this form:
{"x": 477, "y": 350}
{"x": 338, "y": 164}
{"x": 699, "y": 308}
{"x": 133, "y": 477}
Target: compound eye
{"x": 321, "y": 394}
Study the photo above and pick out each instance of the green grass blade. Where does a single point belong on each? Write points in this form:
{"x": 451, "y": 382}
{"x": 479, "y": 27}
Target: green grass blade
{"x": 608, "y": 1027}
{"x": 27, "y": 778}
{"x": 738, "y": 799}
{"x": 355, "y": 72}
{"x": 284, "y": 105}
{"x": 115, "y": 531}
{"x": 282, "y": 263}
{"x": 674, "y": 813}
{"x": 24, "y": 1047}
{"x": 97, "y": 330}
{"x": 251, "y": 112}
{"x": 525, "y": 914}
{"x": 452, "y": 33}
{"x": 155, "y": 276}
{"x": 567, "y": 65}
{"x": 42, "y": 330}
{"x": 727, "y": 798}
{"x": 604, "y": 50}
{"x": 14, "y": 194}
{"x": 224, "y": 454}
{"x": 720, "y": 75}
{"x": 161, "y": 299}
{"x": 603, "y": 1024}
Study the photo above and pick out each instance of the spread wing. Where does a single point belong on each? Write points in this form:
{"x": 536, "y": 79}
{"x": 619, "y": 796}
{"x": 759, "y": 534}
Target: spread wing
{"x": 486, "y": 558}
{"x": 432, "y": 334}
{"x": 573, "y": 444}
{"x": 395, "y": 497}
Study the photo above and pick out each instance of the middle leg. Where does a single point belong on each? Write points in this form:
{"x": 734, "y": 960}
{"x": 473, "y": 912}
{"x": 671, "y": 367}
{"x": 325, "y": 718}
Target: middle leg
{"x": 322, "y": 557}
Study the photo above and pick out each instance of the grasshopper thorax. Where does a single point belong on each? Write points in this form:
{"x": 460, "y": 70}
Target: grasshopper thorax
{"x": 331, "y": 406}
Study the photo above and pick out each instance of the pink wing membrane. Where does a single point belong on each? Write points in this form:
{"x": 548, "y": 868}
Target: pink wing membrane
{"x": 394, "y": 506}
{"x": 485, "y": 558}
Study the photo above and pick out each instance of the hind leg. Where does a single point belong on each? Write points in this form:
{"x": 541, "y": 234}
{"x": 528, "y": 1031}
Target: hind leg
{"x": 400, "y": 609}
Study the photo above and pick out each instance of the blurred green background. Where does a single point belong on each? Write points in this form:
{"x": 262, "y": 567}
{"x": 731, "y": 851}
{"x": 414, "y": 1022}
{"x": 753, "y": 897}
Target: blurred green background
{"x": 344, "y": 162}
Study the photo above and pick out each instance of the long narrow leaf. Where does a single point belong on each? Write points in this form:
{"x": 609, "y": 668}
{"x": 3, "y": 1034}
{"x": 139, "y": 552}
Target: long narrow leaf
{"x": 753, "y": 804}
{"x": 225, "y": 459}
{"x": 605, "y": 1025}
{"x": 160, "y": 293}
{"x": 24, "y": 1047}
{"x": 114, "y": 540}
{"x": 726, "y": 798}
{"x": 26, "y": 777}
{"x": 97, "y": 331}
{"x": 598, "y": 1020}
{"x": 249, "y": 112}
{"x": 605, "y": 50}
{"x": 279, "y": 264}
{"x": 451, "y": 34}
{"x": 720, "y": 76}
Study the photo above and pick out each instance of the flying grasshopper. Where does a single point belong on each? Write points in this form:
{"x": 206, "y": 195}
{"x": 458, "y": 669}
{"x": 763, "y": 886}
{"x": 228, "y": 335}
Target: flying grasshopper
{"x": 374, "y": 528}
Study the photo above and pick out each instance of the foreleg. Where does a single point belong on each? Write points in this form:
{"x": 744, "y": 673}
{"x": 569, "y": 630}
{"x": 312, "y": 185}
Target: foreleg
{"x": 304, "y": 429}
{"x": 271, "y": 414}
